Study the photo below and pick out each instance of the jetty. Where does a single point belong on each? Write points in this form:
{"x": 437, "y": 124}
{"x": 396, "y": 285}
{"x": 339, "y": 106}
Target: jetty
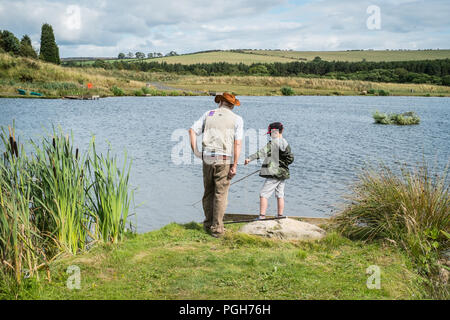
{"x": 237, "y": 217}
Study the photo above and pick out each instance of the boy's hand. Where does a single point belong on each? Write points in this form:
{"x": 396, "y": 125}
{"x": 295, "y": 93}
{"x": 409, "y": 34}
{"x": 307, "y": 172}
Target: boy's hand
{"x": 247, "y": 161}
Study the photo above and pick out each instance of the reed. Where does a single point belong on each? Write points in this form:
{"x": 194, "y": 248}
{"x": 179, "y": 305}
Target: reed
{"x": 58, "y": 200}
{"x": 411, "y": 209}
{"x": 59, "y": 174}
{"x": 21, "y": 251}
{"x": 109, "y": 196}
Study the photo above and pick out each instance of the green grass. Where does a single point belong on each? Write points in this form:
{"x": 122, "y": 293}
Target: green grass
{"x": 183, "y": 262}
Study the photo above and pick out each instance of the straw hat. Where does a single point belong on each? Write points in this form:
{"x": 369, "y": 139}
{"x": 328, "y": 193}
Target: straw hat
{"x": 228, "y": 97}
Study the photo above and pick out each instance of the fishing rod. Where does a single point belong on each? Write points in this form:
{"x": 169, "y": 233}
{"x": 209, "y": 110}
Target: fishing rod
{"x": 232, "y": 184}
{"x": 252, "y": 220}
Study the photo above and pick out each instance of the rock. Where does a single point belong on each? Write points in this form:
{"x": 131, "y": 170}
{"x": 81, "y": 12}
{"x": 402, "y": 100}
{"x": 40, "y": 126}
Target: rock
{"x": 286, "y": 229}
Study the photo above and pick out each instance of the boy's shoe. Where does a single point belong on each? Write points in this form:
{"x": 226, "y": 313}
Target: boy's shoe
{"x": 261, "y": 217}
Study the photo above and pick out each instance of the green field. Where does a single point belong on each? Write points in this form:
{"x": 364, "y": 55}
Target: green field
{"x": 270, "y": 56}
{"x": 376, "y": 55}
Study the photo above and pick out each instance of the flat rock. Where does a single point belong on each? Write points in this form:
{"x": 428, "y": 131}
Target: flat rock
{"x": 286, "y": 229}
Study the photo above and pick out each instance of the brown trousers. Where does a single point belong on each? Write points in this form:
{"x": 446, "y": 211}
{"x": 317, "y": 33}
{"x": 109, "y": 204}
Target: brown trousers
{"x": 215, "y": 198}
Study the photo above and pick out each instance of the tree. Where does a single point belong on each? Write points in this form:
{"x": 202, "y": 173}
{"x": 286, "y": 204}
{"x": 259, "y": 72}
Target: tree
{"x": 130, "y": 55}
{"x": 26, "y": 48}
{"x": 150, "y": 55}
{"x": 121, "y": 55}
{"x": 140, "y": 55}
{"x": 171, "y": 54}
{"x": 9, "y": 42}
{"x": 49, "y": 50}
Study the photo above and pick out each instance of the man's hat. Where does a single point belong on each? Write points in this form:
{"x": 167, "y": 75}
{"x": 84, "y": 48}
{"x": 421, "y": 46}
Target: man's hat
{"x": 275, "y": 125}
{"x": 228, "y": 97}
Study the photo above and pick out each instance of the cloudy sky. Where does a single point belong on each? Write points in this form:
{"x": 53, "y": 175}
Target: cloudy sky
{"x": 106, "y": 27}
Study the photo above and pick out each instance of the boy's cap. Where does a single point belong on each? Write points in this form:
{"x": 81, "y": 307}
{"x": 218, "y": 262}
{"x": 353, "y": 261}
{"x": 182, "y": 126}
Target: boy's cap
{"x": 230, "y": 98}
{"x": 275, "y": 125}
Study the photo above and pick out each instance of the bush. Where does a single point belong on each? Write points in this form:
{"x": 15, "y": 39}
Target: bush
{"x": 117, "y": 91}
{"x": 287, "y": 91}
{"x": 407, "y": 118}
{"x": 383, "y": 93}
{"x": 146, "y": 90}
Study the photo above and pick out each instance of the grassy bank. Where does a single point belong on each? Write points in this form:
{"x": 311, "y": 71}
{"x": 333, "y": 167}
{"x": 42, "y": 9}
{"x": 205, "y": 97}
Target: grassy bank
{"x": 183, "y": 262}
{"x": 55, "y": 81}
{"x": 267, "y": 86}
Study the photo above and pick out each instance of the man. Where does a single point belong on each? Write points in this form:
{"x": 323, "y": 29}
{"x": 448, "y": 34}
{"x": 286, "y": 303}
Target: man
{"x": 221, "y": 146}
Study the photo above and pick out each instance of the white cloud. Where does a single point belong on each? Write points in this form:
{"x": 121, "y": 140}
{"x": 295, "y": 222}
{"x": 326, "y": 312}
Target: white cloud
{"x": 105, "y": 28}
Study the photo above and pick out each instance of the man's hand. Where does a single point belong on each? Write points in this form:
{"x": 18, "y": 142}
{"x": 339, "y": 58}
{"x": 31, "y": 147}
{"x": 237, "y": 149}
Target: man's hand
{"x": 232, "y": 171}
{"x": 247, "y": 161}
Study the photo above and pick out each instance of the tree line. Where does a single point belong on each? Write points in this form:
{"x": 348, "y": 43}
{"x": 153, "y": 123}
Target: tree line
{"x": 141, "y": 55}
{"x": 420, "y": 71}
{"x": 48, "y": 51}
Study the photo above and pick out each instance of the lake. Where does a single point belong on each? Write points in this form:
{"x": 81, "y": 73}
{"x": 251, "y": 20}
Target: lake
{"x": 332, "y": 139}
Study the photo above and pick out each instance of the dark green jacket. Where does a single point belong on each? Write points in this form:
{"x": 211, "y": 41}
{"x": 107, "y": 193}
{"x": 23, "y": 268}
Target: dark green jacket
{"x": 269, "y": 168}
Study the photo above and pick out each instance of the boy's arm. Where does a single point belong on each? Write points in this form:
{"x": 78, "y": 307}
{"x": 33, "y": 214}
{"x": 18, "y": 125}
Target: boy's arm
{"x": 260, "y": 153}
{"x": 289, "y": 155}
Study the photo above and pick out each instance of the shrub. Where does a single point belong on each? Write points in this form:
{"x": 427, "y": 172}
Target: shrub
{"x": 407, "y": 118}
{"x": 117, "y": 91}
{"x": 287, "y": 91}
{"x": 383, "y": 93}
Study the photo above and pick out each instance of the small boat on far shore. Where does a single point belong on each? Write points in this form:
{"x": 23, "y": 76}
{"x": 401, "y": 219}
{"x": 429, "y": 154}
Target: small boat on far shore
{"x": 81, "y": 97}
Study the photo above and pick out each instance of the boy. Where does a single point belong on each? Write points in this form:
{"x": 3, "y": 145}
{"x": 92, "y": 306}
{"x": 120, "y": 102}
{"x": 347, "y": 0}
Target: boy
{"x": 278, "y": 156}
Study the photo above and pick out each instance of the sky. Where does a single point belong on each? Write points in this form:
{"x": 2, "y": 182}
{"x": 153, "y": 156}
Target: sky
{"x": 103, "y": 28}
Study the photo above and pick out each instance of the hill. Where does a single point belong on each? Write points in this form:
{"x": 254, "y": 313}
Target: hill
{"x": 56, "y": 81}
{"x": 357, "y": 55}
{"x": 270, "y": 56}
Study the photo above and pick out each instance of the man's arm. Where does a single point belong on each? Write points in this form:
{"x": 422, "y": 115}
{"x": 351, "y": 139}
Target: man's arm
{"x": 237, "y": 152}
{"x": 193, "y": 139}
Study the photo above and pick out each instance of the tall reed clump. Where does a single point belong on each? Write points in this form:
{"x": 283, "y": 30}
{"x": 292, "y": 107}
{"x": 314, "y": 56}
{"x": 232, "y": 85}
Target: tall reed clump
{"x": 410, "y": 209}
{"x": 21, "y": 243}
{"x": 109, "y": 197}
{"x": 57, "y": 200}
{"x": 60, "y": 191}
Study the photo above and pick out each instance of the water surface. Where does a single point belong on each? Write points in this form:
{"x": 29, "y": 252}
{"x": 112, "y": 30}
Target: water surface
{"x": 332, "y": 138}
